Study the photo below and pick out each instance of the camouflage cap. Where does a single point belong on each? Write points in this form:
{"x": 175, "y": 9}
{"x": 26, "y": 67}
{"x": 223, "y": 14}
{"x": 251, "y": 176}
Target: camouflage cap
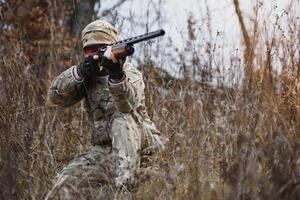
{"x": 98, "y": 32}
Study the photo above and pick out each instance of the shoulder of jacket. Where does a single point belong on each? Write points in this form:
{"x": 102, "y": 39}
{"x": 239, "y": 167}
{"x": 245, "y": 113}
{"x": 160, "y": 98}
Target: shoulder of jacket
{"x": 132, "y": 72}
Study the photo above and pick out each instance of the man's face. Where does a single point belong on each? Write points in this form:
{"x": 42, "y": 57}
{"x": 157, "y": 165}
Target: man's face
{"x": 89, "y": 50}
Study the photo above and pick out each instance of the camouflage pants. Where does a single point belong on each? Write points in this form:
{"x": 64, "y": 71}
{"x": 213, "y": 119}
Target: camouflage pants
{"x": 100, "y": 172}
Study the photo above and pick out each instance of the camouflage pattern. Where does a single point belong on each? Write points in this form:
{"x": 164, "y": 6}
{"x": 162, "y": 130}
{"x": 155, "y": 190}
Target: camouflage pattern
{"x": 122, "y": 130}
{"x": 86, "y": 177}
{"x": 98, "y": 32}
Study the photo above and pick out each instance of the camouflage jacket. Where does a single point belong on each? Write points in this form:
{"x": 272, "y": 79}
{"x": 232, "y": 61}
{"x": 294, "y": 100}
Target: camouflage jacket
{"x": 103, "y": 100}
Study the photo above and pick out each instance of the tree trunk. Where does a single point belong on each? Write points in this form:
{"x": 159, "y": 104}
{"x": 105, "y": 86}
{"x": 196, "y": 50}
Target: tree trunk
{"x": 248, "y": 54}
{"x": 83, "y": 14}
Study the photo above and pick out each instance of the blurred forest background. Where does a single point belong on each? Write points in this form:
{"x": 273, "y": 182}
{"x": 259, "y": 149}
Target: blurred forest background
{"x": 233, "y": 126}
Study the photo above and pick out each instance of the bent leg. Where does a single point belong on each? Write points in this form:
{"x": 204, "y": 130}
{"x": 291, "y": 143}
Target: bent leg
{"x": 126, "y": 143}
{"x": 89, "y": 176}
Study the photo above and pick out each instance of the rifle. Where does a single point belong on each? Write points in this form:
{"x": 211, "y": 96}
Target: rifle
{"x": 124, "y": 48}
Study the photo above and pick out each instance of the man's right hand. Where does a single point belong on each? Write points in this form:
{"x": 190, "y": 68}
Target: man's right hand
{"x": 88, "y": 68}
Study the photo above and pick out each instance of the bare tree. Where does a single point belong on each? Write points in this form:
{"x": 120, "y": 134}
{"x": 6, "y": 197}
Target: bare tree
{"x": 248, "y": 54}
{"x": 83, "y": 14}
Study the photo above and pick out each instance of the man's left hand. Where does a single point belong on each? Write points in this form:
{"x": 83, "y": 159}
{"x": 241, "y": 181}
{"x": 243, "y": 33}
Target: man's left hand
{"x": 113, "y": 66}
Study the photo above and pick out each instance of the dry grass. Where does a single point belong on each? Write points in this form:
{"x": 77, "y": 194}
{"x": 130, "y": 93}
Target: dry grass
{"x": 227, "y": 141}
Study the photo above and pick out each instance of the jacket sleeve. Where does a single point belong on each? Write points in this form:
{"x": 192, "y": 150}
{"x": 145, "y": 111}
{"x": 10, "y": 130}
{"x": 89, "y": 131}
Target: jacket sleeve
{"x": 129, "y": 93}
{"x": 65, "y": 89}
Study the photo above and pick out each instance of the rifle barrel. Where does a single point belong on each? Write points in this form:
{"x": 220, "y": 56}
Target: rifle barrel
{"x": 140, "y": 38}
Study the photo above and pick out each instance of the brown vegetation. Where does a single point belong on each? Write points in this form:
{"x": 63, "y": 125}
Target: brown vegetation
{"x": 226, "y": 141}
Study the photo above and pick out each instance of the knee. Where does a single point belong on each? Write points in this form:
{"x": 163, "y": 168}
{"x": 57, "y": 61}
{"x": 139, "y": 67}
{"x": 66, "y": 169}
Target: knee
{"x": 125, "y": 125}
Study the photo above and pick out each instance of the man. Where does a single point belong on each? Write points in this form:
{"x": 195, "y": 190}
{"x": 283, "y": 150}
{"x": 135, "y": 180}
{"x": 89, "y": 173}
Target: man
{"x": 113, "y": 95}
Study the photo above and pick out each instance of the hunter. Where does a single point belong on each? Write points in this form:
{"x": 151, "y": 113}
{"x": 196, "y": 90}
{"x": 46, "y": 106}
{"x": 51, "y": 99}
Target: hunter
{"x": 114, "y": 100}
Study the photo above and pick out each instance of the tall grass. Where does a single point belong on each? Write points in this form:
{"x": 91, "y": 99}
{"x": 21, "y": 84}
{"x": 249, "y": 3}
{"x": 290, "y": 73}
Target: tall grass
{"x": 226, "y": 141}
